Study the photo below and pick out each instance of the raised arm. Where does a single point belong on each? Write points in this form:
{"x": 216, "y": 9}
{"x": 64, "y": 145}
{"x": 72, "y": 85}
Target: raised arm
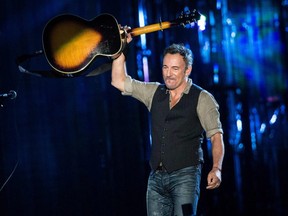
{"x": 119, "y": 72}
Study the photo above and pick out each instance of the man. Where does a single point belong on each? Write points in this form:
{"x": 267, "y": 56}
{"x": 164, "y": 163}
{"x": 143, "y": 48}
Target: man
{"x": 180, "y": 112}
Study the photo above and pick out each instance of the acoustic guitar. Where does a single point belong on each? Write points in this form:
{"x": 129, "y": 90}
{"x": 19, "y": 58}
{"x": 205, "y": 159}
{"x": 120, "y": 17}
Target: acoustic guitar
{"x": 71, "y": 43}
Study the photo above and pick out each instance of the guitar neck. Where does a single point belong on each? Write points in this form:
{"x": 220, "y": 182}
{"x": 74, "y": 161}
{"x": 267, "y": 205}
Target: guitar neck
{"x": 151, "y": 28}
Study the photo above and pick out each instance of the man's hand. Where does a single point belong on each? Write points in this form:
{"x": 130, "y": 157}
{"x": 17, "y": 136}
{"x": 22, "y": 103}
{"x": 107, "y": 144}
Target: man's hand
{"x": 125, "y": 30}
{"x": 214, "y": 178}
{"x": 126, "y": 39}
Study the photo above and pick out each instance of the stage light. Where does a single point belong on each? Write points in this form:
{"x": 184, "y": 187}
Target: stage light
{"x": 202, "y": 23}
{"x": 239, "y": 125}
{"x": 262, "y": 128}
{"x": 273, "y": 119}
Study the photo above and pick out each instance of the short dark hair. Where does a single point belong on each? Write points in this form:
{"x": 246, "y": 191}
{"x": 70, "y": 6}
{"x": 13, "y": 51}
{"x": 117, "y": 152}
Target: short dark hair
{"x": 182, "y": 50}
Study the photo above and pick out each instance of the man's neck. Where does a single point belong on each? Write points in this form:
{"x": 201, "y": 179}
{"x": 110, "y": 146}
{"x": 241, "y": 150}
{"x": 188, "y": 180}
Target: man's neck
{"x": 176, "y": 94}
{"x": 179, "y": 90}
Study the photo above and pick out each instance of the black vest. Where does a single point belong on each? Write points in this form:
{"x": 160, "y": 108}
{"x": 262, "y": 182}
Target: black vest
{"x": 177, "y": 134}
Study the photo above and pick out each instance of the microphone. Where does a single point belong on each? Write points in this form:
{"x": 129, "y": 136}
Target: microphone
{"x": 10, "y": 95}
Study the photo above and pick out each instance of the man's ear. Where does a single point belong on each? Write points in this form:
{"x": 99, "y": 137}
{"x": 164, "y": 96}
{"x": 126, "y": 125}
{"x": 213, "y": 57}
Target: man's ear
{"x": 188, "y": 71}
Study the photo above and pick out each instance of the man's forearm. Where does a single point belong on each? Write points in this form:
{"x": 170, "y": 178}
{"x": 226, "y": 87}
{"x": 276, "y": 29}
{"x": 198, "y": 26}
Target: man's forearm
{"x": 119, "y": 73}
{"x": 217, "y": 150}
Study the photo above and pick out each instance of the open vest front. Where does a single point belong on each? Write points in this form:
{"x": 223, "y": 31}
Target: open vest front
{"x": 177, "y": 134}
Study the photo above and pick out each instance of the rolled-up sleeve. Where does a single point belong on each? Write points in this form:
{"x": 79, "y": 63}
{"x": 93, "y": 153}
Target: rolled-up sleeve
{"x": 142, "y": 91}
{"x": 208, "y": 112}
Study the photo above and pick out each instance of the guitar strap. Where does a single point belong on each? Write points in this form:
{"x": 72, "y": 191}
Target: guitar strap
{"x": 21, "y": 60}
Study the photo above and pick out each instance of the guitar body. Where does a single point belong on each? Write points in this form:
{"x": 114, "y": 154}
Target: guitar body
{"x": 71, "y": 43}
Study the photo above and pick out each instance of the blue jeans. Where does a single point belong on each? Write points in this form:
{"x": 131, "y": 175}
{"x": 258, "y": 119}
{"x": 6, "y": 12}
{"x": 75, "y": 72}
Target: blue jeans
{"x": 174, "y": 194}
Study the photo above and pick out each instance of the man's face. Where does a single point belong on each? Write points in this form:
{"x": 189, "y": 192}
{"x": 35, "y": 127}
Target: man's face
{"x": 174, "y": 71}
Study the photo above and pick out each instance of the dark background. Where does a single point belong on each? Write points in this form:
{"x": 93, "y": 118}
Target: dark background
{"x": 76, "y": 146}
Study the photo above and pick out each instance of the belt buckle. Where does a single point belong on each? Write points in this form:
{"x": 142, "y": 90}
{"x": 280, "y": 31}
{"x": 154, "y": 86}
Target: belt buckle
{"x": 161, "y": 167}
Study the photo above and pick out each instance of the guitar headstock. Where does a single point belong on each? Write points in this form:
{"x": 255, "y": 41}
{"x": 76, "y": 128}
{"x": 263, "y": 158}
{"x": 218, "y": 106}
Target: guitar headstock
{"x": 188, "y": 17}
